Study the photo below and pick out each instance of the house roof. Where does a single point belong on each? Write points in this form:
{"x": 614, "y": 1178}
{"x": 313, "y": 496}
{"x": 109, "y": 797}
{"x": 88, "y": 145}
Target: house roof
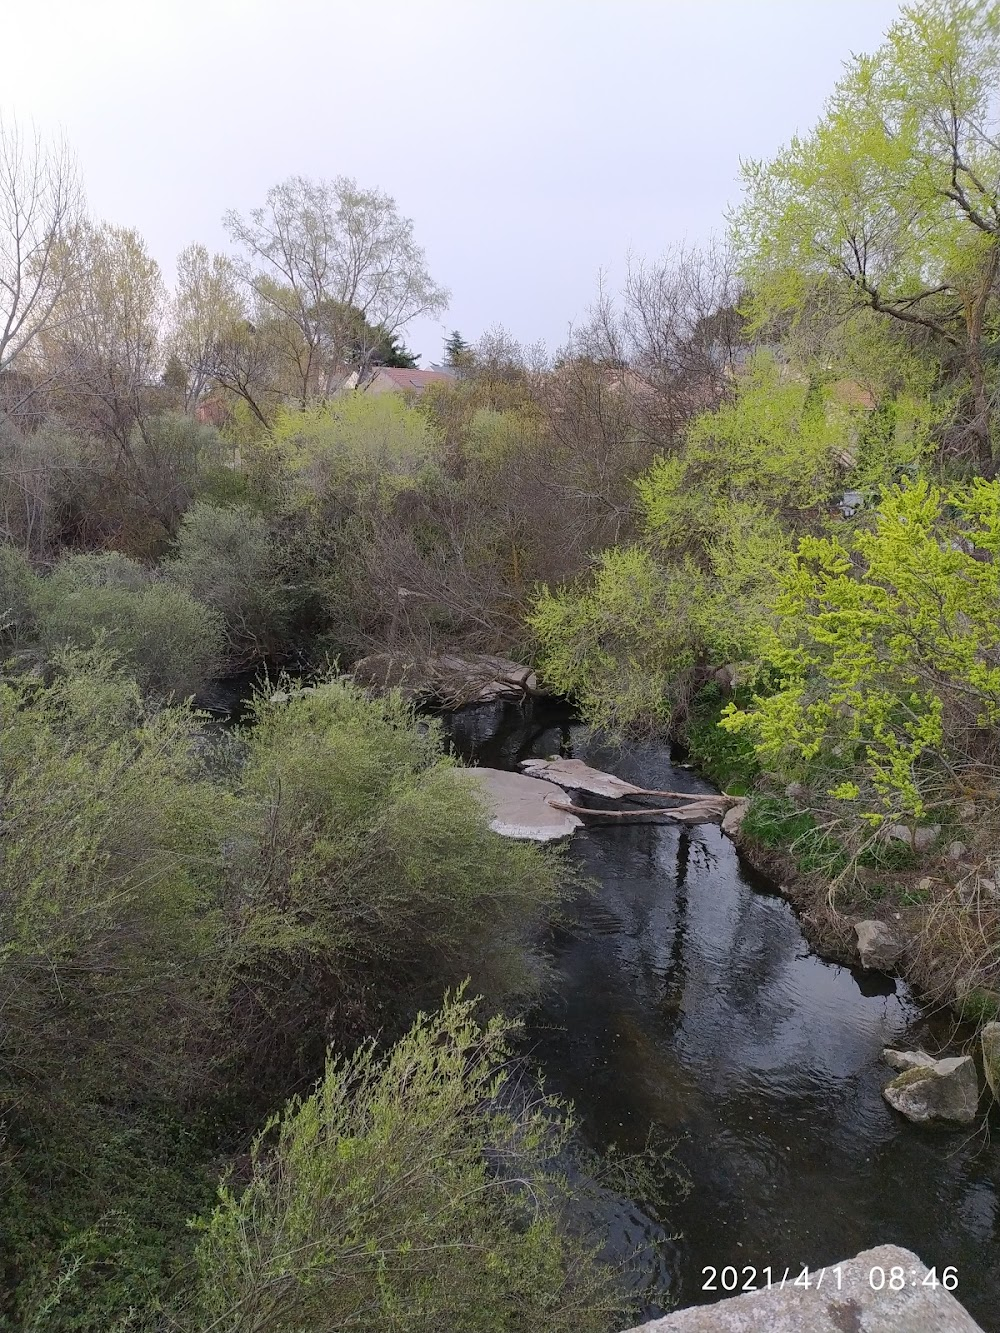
{"x": 414, "y": 379}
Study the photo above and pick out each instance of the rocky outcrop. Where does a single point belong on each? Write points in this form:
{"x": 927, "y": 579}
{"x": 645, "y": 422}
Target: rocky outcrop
{"x": 927, "y": 1089}
{"x": 849, "y": 1298}
{"x": 449, "y": 679}
{"x": 878, "y": 946}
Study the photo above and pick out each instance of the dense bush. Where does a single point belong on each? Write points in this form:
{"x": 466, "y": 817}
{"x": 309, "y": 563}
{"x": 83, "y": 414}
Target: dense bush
{"x": 171, "y": 642}
{"x": 230, "y": 560}
{"x": 189, "y": 920}
{"x": 408, "y": 1192}
{"x": 375, "y": 874}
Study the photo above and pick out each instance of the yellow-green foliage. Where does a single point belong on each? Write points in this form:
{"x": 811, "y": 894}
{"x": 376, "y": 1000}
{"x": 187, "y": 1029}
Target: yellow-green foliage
{"x": 381, "y": 864}
{"x": 783, "y": 442}
{"x": 369, "y": 441}
{"x": 624, "y": 641}
{"x": 409, "y": 1191}
{"x": 886, "y": 646}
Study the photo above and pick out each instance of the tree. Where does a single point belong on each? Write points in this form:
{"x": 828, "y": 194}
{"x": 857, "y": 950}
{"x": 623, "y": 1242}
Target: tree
{"x": 107, "y": 350}
{"x": 207, "y": 304}
{"x": 40, "y": 201}
{"x": 892, "y": 203}
{"x": 457, "y": 352}
{"x": 319, "y": 252}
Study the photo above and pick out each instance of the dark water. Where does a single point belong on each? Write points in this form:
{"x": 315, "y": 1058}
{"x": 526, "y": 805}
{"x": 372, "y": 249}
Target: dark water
{"x": 688, "y": 1004}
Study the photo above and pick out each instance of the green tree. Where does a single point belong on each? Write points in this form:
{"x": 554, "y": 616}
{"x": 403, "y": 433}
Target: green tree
{"x": 892, "y": 202}
{"x": 457, "y": 352}
{"x": 884, "y": 647}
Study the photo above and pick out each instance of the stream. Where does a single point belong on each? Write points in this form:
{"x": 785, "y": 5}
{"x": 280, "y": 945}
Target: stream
{"x": 687, "y": 1005}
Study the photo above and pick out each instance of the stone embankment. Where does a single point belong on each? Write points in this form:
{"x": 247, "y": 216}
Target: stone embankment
{"x": 856, "y": 1296}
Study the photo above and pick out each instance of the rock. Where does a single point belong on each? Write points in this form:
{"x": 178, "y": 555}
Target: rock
{"x": 987, "y": 888}
{"x": 990, "y": 1041}
{"x": 920, "y": 838}
{"x": 929, "y": 1089}
{"x": 725, "y": 677}
{"x": 449, "y": 679}
{"x": 848, "y": 1302}
{"x": 967, "y": 811}
{"x": 794, "y": 791}
{"x": 956, "y": 850}
{"x": 578, "y": 776}
{"x": 925, "y": 836}
{"x": 520, "y": 806}
{"x": 878, "y": 946}
{"x": 733, "y": 819}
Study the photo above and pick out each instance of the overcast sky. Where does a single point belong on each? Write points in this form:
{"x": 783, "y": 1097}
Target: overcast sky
{"x": 533, "y": 142}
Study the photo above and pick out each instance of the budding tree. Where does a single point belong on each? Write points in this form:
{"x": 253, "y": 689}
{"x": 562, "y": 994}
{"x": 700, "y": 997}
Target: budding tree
{"x": 208, "y": 304}
{"x": 321, "y": 254}
{"x": 40, "y": 206}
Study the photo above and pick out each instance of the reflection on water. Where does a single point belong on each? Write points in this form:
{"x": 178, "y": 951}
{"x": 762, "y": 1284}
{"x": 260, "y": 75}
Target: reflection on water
{"x": 688, "y": 1003}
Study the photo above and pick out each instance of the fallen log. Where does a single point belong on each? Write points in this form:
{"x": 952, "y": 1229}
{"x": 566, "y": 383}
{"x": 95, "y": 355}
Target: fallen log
{"x": 575, "y": 775}
{"x": 709, "y": 810}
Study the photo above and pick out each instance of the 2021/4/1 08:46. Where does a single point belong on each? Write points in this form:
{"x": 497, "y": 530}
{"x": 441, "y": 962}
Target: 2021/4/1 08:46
{"x": 750, "y": 1278}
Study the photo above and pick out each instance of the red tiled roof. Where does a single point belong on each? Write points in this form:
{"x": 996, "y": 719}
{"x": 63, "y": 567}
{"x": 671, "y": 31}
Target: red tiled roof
{"x": 414, "y": 379}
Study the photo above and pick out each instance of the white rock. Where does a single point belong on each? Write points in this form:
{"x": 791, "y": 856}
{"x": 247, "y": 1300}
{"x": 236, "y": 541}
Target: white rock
{"x": 929, "y": 1089}
{"x": 878, "y": 946}
{"x": 919, "y": 838}
{"x": 925, "y": 836}
{"x": 578, "y": 776}
{"x": 956, "y": 850}
{"x": 733, "y": 819}
{"x": 521, "y": 807}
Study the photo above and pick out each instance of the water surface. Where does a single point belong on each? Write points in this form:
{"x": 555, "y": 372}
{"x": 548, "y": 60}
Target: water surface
{"x": 688, "y": 1004}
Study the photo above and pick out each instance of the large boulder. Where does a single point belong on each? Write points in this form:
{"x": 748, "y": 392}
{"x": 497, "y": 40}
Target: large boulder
{"x": 449, "y": 679}
{"x": 878, "y": 946}
{"x": 927, "y": 1089}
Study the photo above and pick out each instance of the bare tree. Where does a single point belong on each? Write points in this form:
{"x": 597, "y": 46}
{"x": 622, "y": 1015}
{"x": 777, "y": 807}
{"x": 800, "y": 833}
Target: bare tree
{"x": 40, "y": 207}
{"x": 671, "y": 338}
{"x": 323, "y": 253}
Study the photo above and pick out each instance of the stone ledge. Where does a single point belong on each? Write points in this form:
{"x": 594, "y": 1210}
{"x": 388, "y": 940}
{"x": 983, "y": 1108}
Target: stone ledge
{"x": 853, "y": 1307}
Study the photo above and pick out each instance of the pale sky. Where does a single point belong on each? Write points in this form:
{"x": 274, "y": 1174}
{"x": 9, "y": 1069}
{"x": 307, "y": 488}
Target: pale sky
{"x": 533, "y": 142}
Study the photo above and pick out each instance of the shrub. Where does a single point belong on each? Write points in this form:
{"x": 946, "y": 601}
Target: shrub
{"x": 886, "y": 648}
{"x": 111, "y": 855}
{"x": 409, "y": 1192}
{"x": 229, "y": 560}
{"x": 17, "y": 591}
{"x": 168, "y": 639}
{"x": 375, "y": 878}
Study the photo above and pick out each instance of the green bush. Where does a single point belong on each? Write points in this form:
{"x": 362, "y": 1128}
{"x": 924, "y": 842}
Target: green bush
{"x": 172, "y": 642}
{"x": 17, "y": 588}
{"x": 230, "y": 560}
{"x": 410, "y": 1192}
{"x": 375, "y": 877}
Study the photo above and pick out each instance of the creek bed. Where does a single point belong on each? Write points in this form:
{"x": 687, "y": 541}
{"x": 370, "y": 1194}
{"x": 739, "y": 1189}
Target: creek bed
{"x": 688, "y": 1005}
